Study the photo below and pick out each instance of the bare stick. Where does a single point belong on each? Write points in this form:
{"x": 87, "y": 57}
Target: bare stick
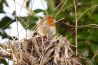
{"x": 76, "y": 24}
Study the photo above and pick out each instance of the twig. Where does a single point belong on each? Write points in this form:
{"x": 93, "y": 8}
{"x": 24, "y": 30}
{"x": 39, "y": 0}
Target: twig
{"x": 76, "y": 24}
{"x": 86, "y": 11}
{"x": 56, "y": 8}
{"x": 60, "y": 8}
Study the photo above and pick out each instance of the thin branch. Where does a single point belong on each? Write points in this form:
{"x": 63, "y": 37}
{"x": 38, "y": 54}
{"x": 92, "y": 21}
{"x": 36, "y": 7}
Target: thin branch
{"x": 76, "y": 24}
{"x": 61, "y": 8}
{"x": 56, "y": 8}
{"x": 83, "y": 26}
{"x": 65, "y": 8}
{"x": 86, "y": 11}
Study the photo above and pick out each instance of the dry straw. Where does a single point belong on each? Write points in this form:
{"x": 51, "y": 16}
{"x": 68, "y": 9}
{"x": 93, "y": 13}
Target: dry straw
{"x": 41, "y": 50}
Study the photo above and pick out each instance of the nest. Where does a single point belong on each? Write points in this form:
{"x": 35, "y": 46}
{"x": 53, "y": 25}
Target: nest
{"x": 41, "y": 50}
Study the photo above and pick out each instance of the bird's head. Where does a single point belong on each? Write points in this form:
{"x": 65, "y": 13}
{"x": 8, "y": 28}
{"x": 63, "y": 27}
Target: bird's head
{"x": 50, "y": 21}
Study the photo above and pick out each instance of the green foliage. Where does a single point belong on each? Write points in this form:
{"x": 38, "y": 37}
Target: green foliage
{"x": 1, "y": 6}
{"x": 32, "y": 21}
{"x": 3, "y": 61}
{"x": 38, "y": 10}
{"x": 5, "y": 22}
{"x": 28, "y": 22}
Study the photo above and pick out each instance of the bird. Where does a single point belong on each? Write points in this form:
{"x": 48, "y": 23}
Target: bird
{"x": 46, "y": 26}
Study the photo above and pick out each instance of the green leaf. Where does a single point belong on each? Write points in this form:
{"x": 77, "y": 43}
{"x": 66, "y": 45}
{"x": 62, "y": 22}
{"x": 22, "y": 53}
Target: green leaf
{"x": 5, "y": 22}
{"x": 1, "y": 5}
{"x": 50, "y": 11}
{"x": 38, "y": 10}
{"x": 32, "y": 21}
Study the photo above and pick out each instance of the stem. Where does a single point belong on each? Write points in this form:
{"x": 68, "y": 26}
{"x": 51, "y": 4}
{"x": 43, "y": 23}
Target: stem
{"x": 76, "y": 24}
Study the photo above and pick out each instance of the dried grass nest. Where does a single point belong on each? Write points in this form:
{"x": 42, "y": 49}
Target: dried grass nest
{"x": 41, "y": 50}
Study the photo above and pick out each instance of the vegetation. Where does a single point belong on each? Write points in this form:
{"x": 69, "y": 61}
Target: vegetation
{"x": 76, "y": 20}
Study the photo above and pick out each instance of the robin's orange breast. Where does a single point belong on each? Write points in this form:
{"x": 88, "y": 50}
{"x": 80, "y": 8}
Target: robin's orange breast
{"x": 50, "y": 20}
